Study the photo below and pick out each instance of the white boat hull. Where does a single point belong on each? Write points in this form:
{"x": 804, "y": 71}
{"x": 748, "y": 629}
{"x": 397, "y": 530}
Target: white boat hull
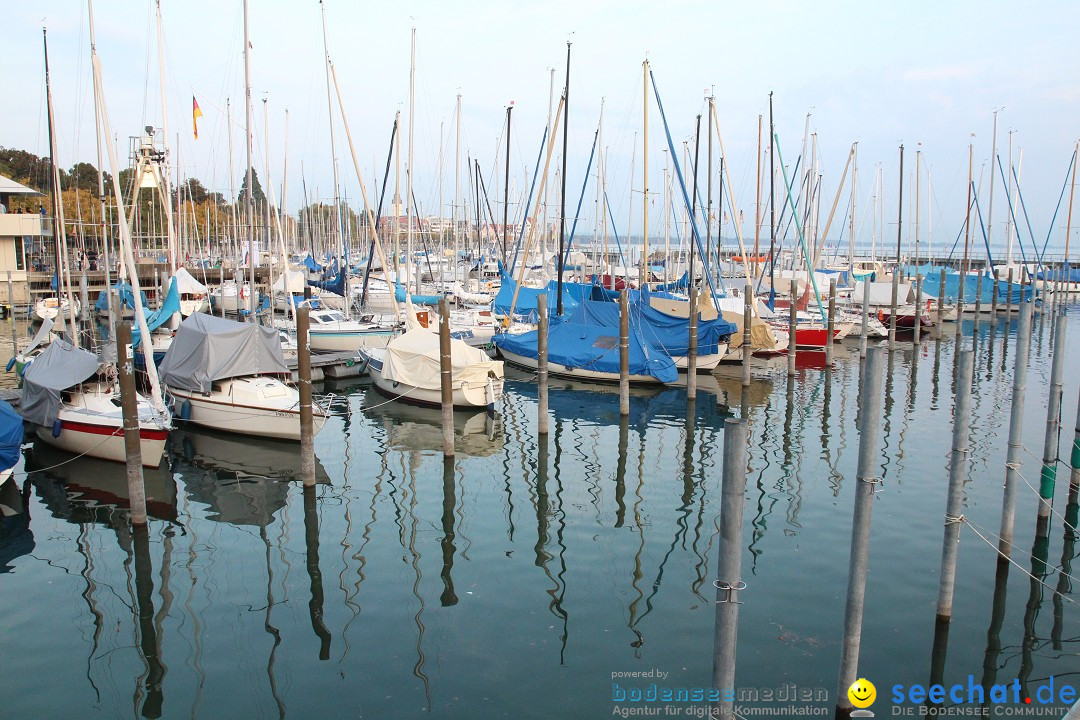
{"x": 224, "y": 411}
{"x": 466, "y": 397}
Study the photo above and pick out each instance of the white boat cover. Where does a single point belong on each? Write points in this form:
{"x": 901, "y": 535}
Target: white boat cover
{"x": 208, "y": 348}
{"x": 295, "y": 279}
{"x": 880, "y": 293}
{"x": 60, "y": 366}
{"x": 412, "y": 358}
{"x": 186, "y": 284}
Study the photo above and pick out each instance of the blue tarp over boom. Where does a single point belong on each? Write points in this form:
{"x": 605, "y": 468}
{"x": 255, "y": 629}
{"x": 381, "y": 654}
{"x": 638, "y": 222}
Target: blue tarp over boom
{"x": 124, "y": 294}
{"x": 526, "y": 301}
{"x": 400, "y": 295}
{"x": 337, "y": 285}
{"x": 159, "y": 318}
{"x": 1062, "y": 274}
{"x": 575, "y": 344}
{"x": 11, "y": 436}
{"x": 932, "y": 286}
{"x": 310, "y": 263}
{"x": 661, "y": 332}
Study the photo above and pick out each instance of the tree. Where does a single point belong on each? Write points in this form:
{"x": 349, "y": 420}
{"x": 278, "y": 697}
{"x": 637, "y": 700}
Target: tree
{"x": 84, "y": 176}
{"x": 195, "y": 191}
{"x": 256, "y": 189}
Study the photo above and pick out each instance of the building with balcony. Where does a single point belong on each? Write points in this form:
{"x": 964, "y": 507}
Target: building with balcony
{"x": 24, "y": 239}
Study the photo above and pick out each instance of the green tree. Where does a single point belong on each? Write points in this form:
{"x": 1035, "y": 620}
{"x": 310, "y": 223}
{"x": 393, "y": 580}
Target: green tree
{"x": 256, "y": 189}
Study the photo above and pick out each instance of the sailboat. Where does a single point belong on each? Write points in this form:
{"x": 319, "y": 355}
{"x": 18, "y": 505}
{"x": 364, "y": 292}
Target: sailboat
{"x": 73, "y": 400}
{"x": 226, "y": 375}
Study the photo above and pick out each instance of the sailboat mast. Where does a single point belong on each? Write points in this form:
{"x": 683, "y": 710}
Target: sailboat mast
{"x": 409, "y": 167}
{"x": 990, "y": 209}
{"x": 708, "y": 188}
{"x": 918, "y": 170}
{"x": 506, "y": 185}
{"x": 562, "y": 195}
{"x": 851, "y": 226}
{"x": 58, "y": 202}
{"x": 104, "y": 237}
{"x": 163, "y": 176}
{"x": 249, "y": 203}
{"x": 644, "y": 174}
{"x": 1072, "y": 193}
{"x": 457, "y": 184}
{"x": 772, "y": 208}
{"x": 693, "y": 198}
{"x": 900, "y": 208}
{"x": 336, "y": 223}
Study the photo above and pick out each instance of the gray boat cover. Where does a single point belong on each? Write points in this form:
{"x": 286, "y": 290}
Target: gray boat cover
{"x": 207, "y": 348}
{"x": 60, "y": 366}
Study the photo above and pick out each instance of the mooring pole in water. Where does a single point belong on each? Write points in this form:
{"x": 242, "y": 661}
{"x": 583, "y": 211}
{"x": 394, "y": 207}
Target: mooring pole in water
{"x": 691, "y": 356}
{"x": 542, "y": 364}
{"x": 446, "y": 379}
{"x": 865, "y": 320}
{"x": 957, "y": 472}
{"x": 311, "y": 546}
{"x": 129, "y": 406}
{"x": 1053, "y": 422}
{"x": 624, "y": 354}
{"x": 747, "y": 319}
{"x": 1008, "y": 303}
{"x": 729, "y": 577}
{"x": 1016, "y": 427}
{"x": 994, "y": 298}
{"x": 1074, "y": 457}
{"x": 791, "y": 329}
{"x": 941, "y": 305}
{"x": 892, "y": 306}
{"x": 303, "y": 370}
{"x": 869, "y": 415}
{"x": 11, "y": 315}
{"x": 831, "y": 329}
{"x": 916, "y": 336}
{"x": 978, "y": 306}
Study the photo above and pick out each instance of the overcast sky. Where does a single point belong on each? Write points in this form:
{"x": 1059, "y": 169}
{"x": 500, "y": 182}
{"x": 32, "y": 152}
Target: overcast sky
{"x": 873, "y": 73}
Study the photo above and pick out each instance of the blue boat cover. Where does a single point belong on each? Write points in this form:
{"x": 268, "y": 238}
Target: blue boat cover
{"x": 526, "y": 301}
{"x": 170, "y": 307}
{"x": 124, "y": 294}
{"x": 11, "y": 435}
{"x": 1062, "y": 274}
{"x": 400, "y": 294}
{"x": 337, "y": 285}
{"x": 310, "y": 264}
{"x": 932, "y": 286}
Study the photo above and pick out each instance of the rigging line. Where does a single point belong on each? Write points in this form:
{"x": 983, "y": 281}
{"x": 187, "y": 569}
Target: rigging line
{"x": 965, "y": 521}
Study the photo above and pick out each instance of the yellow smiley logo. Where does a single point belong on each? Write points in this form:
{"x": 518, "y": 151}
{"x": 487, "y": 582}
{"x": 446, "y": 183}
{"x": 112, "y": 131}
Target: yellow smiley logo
{"x": 862, "y": 693}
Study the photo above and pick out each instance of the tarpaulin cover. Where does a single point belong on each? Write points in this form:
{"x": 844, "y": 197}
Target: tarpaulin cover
{"x": 124, "y": 294}
{"x": 310, "y": 263}
{"x": 208, "y": 348}
{"x": 526, "y": 301}
{"x": 59, "y": 367}
{"x": 401, "y": 295}
{"x": 170, "y": 307}
{"x": 578, "y": 341}
{"x": 412, "y": 358}
{"x": 1061, "y": 274}
{"x": 880, "y": 293}
{"x": 932, "y": 284}
{"x": 11, "y": 436}
{"x": 761, "y": 335}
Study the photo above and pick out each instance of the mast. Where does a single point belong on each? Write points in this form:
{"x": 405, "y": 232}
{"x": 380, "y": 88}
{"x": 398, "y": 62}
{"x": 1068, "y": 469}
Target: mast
{"x": 772, "y": 209}
{"x": 990, "y": 209}
{"x": 336, "y": 223}
{"x": 900, "y": 208}
{"x": 409, "y": 167}
{"x": 59, "y": 237}
{"x": 667, "y": 222}
{"x": 506, "y": 185}
{"x": 918, "y": 168}
{"x": 644, "y": 174}
{"x": 104, "y": 227}
{"x": 851, "y": 226}
{"x": 1012, "y": 207}
{"x": 457, "y": 184}
{"x": 757, "y": 204}
{"x": 562, "y": 198}
{"x": 708, "y": 187}
{"x": 693, "y": 198}
{"x": 1072, "y": 192}
{"x": 249, "y": 203}
{"x": 442, "y": 235}
{"x": 967, "y": 222}
{"x": 163, "y": 176}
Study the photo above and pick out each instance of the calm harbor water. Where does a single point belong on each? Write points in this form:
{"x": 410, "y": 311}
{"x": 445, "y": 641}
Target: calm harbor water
{"x": 517, "y": 583}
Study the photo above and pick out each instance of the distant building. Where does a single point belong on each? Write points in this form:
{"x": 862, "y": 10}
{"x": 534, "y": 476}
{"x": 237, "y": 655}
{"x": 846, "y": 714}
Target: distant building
{"x": 23, "y": 241}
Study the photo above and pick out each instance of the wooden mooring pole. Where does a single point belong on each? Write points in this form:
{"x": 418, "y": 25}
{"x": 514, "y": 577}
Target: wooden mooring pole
{"x": 1016, "y": 427}
{"x": 129, "y": 407}
{"x": 994, "y": 299}
{"x": 542, "y": 364}
{"x": 892, "y": 309}
{"x": 831, "y": 329}
{"x": 729, "y": 575}
{"x": 1053, "y": 423}
{"x": 303, "y": 369}
{"x": 865, "y": 320}
{"x": 747, "y": 350}
{"x": 691, "y": 356}
{"x": 446, "y": 379}
{"x": 941, "y": 306}
{"x": 791, "y": 328}
{"x": 869, "y": 415}
{"x": 957, "y": 473}
{"x": 916, "y": 336}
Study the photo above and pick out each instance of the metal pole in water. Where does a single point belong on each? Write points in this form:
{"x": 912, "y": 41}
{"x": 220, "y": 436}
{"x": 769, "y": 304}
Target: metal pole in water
{"x": 729, "y": 577}
{"x": 303, "y": 370}
{"x": 994, "y": 300}
{"x": 892, "y": 306}
{"x": 1016, "y": 423}
{"x": 691, "y": 356}
{"x": 869, "y": 414}
{"x": 624, "y": 352}
{"x": 916, "y": 337}
{"x": 955, "y": 502}
{"x": 542, "y": 364}
{"x": 791, "y": 329}
{"x": 832, "y": 319}
{"x": 129, "y": 406}
{"x": 941, "y": 304}
{"x": 1053, "y": 422}
{"x": 447, "y": 380}
{"x": 11, "y": 315}
{"x": 978, "y": 306}
{"x": 747, "y": 350}
{"x": 865, "y": 320}
{"x": 1008, "y": 303}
